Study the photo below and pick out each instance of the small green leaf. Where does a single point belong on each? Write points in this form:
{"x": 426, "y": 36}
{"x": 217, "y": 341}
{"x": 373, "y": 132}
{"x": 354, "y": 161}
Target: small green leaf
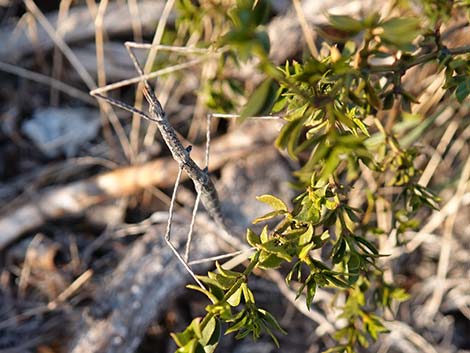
{"x": 372, "y": 97}
{"x": 271, "y": 320}
{"x": 264, "y": 237}
{"x": 303, "y": 254}
{"x": 367, "y": 244}
{"x": 401, "y": 30}
{"x": 273, "y": 201}
{"x": 224, "y": 282}
{"x": 311, "y": 290}
{"x": 211, "y": 336}
{"x": 241, "y": 322}
{"x": 339, "y": 250}
{"x": 182, "y": 338}
{"x": 361, "y": 126}
{"x": 336, "y": 281}
{"x": 252, "y": 238}
{"x": 400, "y": 294}
{"x": 226, "y": 273}
{"x": 260, "y": 100}
{"x": 463, "y": 90}
{"x": 307, "y": 236}
{"x": 235, "y": 298}
{"x": 247, "y": 294}
{"x": 267, "y": 216}
{"x": 271, "y": 261}
{"x": 273, "y": 247}
{"x": 345, "y": 23}
{"x": 289, "y": 135}
{"x": 211, "y": 296}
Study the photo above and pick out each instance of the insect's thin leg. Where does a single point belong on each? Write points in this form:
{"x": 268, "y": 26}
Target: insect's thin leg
{"x": 121, "y": 104}
{"x": 168, "y": 230}
{"x": 220, "y": 257}
{"x": 191, "y": 226}
{"x": 172, "y": 48}
{"x": 198, "y": 197}
{"x": 148, "y": 92}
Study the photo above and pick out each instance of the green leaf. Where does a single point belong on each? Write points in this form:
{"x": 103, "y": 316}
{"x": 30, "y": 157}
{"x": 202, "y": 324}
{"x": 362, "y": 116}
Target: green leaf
{"x": 401, "y": 30}
{"x": 241, "y": 322}
{"x": 400, "y": 294}
{"x": 307, "y": 236}
{"x": 271, "y": 320}
{"x": 361, "y": 126}
{"x": 311, "y": 290}
{"x": 227, "y": 273}
{"x": 260, "y": 100}
{"x": 336, "y": 280}
{"x": 303, "y": 254}
{"x": 339, "y": 250}
{"x": 224, "y": 282}
{"x": 463, "y": 90}
{"x": 372, "y": 97}
{"x": 367, "y": 244}
{"x": 273, "y": 247}
{"x": 182, "y": 338}
{"x": 320, "y": 240}
{"x": 308, "y": 211}
{"x": 252, "y": 238}
{"x": 290, "y": 132}
{"x": 211, "y": 336}
{"x": 297, "y": 270}
{"x": 271, "y": 261}
{"x": 345, "y": 23}
{"x": 235, "y": 298}
{"x": 267, "y": 216}
{"x": 264, "y": 235}
{"x": 247, "y": 294}
{"x": 292, "y": 144}
{"x": 374, "y": 326}
{"x": 273, "y": 201}
{"x": 354, "y": 264}
{"x": 211, "y": 296}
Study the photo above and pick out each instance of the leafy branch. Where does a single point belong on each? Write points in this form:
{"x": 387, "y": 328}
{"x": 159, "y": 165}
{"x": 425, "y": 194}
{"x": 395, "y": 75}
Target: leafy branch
{"x": 328, "y": 104}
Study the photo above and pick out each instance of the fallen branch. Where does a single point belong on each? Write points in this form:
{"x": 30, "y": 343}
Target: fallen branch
{"x": 140, "y": 288}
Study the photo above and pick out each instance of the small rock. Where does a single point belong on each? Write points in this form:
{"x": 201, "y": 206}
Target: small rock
{"x": 58, "y": 131}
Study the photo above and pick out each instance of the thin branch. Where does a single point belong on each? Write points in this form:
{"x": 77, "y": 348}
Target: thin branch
{"x": 402, "y": 66}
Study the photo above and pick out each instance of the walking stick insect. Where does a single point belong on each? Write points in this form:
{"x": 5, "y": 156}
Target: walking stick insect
{"x": 206, "y": 192}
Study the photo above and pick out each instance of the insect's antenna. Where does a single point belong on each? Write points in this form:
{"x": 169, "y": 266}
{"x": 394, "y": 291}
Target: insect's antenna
{"x": 120, "y": 104}
{"x": 148, "y": 92}
{"x": 208, "y": 138}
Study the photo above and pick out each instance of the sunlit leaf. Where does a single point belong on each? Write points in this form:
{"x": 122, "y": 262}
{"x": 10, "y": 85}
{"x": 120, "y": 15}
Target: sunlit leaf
{"x": 273, "y": 201}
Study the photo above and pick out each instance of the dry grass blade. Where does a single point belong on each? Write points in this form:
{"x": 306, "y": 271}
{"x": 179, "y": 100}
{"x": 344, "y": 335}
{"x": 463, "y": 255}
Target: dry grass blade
{"x": 147, "y": 68}
{"x": 60, "y": 43}
{"x": 46, "y": 80}
{"x": 57, "y": 61}
{"x": 446, "y": 245}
